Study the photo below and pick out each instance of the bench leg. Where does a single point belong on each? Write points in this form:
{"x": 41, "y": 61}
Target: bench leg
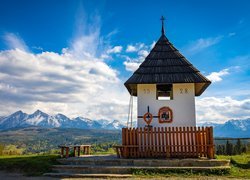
{"x": 74, "y": 151}
{"x": 118, "y": 152}
{"x": 67, "y": 152}
{"x": 78, "y": 148}
{"x": 62, "y": 152}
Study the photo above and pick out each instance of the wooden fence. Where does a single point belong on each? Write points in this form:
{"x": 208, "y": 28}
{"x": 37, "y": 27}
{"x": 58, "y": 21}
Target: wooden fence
{"x": 180, "y": 142}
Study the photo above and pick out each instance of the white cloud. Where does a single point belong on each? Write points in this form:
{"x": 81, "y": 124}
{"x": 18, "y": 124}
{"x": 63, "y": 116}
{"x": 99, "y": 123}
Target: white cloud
{"x": 217, "y": 76}
{"x": 59, "y": 83}
{"x": 116, "y": 49}
{"x": 221, "y": 109}
{"x": 152, "y": 45}
{"x": 143, "y": 53}
{"x": 142, "y": 50}
{"x": 14, "y": 42}
{"x": 75, "y": 82}
{"x": 131, "y": 48}
{"x": 136, "y": 47}
{"x": 201, "y": 44}
{"x": 131, "y": 66}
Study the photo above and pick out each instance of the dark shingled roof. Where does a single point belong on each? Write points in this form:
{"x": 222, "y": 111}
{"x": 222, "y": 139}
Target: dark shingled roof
{"x": 166, "y": 65}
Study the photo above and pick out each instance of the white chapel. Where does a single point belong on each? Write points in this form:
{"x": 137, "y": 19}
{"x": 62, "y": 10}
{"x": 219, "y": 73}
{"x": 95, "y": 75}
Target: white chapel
{"x": 166, "y": 84}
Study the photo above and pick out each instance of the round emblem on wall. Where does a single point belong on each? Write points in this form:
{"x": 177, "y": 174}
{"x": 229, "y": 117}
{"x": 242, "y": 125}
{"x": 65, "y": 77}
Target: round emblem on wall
{"x": 165, "y": 115}
{"x": 148, "y": 117}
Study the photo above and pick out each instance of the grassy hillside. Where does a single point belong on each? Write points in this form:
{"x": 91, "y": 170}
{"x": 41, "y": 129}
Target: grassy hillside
{"x": 240, "y": 165}
{"x": 36, "y": 140}
{"x": 39, "y": 163}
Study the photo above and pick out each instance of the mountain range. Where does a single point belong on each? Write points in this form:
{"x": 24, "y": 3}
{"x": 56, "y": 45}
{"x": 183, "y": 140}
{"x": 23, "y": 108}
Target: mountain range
{"x": 20, "y": 119}
{"x": 231, "y": 128}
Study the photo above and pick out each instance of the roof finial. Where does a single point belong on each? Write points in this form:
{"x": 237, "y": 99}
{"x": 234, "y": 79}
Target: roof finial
{"x": 162, "y": 25}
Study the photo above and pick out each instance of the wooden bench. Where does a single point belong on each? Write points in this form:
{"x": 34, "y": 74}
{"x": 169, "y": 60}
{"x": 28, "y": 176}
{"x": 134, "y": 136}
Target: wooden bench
{"x": 123, "y": 150}
{"x": 64, "y": 149}
{"x": 119, "y": 150}
{"x": 76, "y": 150}
{"x": 85, "y": 149}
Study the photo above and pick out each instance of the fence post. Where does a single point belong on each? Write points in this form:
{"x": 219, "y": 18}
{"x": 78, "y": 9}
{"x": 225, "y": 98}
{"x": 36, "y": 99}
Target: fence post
{"x": 210, "y": 144}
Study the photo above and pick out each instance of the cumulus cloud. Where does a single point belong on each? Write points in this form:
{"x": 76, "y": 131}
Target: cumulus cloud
{"x": 141, "y": 50}
{"x": 217, "y": 76}
{"x": 131, "y": 48}
{"x": 136, "y": 47}
{"x": 131, "y": 66}
{"x": 75, "y": 82}
{"x": 54, "y": 78}
{"x": 152, "y": 45}
{"x": 221, "y": 109}
{"x": 116, "y": 49}
{"x": 143, "y": 53}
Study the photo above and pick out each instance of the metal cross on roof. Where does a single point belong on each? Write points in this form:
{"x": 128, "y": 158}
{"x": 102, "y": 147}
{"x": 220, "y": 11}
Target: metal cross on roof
{"x": 162, "y": 25}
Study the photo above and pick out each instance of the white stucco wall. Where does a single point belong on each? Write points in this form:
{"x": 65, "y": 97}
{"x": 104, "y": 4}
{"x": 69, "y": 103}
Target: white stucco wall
{"x": 182, "y": 105}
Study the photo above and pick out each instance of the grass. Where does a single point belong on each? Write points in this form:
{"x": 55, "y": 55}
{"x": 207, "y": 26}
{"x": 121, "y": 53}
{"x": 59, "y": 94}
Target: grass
{"x": 36, "y": 165}
{"x": 178, "y": 173}
{"x": 240, "y": 165}
{"x": 109, "y": 151}
{"x": 29, "y": 165}
{"x": 240, "y": 168}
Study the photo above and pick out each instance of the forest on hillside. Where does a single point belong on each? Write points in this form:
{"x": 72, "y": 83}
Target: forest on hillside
{"x": 43, "y": 140}
{"x": 33, "y": 140}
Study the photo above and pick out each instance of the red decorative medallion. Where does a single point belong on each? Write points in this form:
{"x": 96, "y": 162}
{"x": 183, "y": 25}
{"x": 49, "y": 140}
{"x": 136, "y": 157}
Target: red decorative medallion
{"x": 165, "y": 115}
{"x": 148, "y": 118}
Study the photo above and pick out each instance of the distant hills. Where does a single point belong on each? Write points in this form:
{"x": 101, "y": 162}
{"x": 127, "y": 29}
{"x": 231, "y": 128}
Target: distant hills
{"x": 20, "y": 119}
{"x": 36, "y": 139}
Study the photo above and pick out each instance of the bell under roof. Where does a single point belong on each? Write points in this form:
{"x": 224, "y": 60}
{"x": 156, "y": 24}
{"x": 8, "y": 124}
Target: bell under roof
{"x": 166, "y": 65}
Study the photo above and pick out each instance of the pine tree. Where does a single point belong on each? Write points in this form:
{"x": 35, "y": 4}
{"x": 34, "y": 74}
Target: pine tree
{"x": 223, "y": 149}
{"x": 1, "y": 149}
{"x": 238, "y": 147}
{"x": 244, "y": 149}
{"x": 229, "y": 148}
{"x": 219, "y": 150}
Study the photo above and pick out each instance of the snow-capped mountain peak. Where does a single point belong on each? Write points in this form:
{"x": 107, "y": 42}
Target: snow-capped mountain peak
{"x": 232, "y": 128}
{"x": 41, "y": 119}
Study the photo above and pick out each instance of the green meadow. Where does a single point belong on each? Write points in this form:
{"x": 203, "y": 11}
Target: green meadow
{"x": 240, "y": 167}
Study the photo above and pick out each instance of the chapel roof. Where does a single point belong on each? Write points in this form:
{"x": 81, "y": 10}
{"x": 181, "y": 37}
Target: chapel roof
{"x": 166, "y": 65}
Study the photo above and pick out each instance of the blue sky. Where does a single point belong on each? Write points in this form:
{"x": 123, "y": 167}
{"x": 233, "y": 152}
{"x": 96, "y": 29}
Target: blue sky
{"x": 43, "y": 44}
